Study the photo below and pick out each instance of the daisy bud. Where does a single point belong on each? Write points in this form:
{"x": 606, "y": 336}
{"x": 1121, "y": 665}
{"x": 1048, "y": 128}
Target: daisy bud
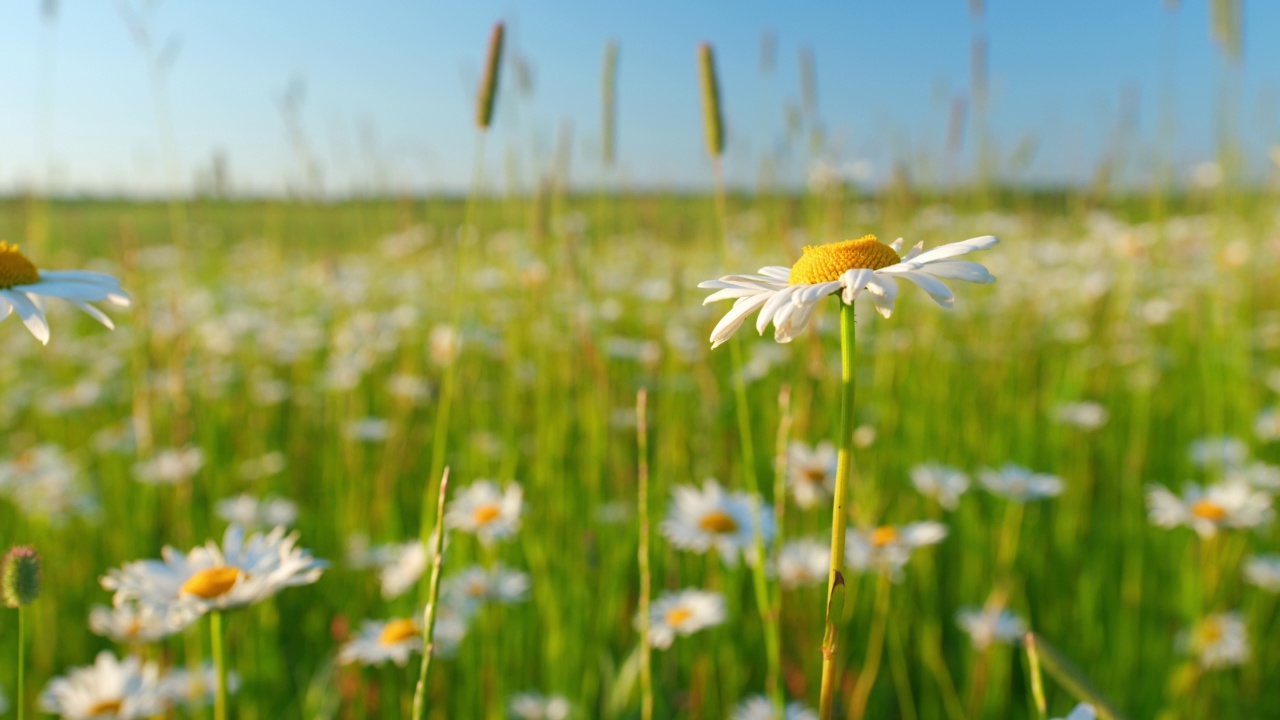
{"x": 20, "y": 577}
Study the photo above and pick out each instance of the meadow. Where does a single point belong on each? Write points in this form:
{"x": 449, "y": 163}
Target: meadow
{"x": 296, "y": 351}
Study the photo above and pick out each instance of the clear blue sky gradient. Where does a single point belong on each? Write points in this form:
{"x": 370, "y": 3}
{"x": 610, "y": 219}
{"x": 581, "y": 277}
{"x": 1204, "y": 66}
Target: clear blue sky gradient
{"x": 390, "y": 89}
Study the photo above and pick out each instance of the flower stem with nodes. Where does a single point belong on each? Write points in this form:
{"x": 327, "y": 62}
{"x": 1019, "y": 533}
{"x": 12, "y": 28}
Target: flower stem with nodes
{"x": 844, "y": 468}
{"x": 22, "y": 683}
{"x": 220, "y": 664}
{"x": 433, "y": 595}
{"x": 642, "y": 452}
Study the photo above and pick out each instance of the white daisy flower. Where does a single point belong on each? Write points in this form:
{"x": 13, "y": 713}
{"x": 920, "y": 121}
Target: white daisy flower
{"x": 1219, "y": 452}
{"x": 246, "y": 510}
{"x": 476, "y": 585}
{"x": 241, "y": 572}
{"x": 1086, "y": 415}
{"x": 170, "y": 467}
{"x": 45, "y": 482}
{"x": 940, "y": 482}
{"x": 491, "y": 514}
{"x": 194, "y": 689}
{"x": 889, "y": 547}
{"x": 1083, "y": 711}
{"x": 1019, "y": 484}
{"x": 811, "y": 472}
{"x": 130, "y": 622}
{"x": 683, "y": 612}
{"x": 987, "y": 625}
{"x": 803, "y": 562}
{"x": 1258, "y": 474}
{"x": 787, "y": 297}
{"x": 1217, "y": 641}
{"x": 381, "y": 640}
{"x": 710, "y": 518}
{"x": 403, "y": 567}
{"x": 1206, "y": 510}
{"x": 535, "y": 706}
{"x": 108, "y": 688}
{"x": 1263, "y": 571}
{"x": 22, "y": 285}
{"x": 1267, "y": 426}
{"x": 759, "y": 707}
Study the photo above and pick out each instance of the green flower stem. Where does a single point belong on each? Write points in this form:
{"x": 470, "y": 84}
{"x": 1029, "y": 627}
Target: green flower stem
{"x": 433, "y": 595}
{"x": 22, "y": 684}
{"x": 219, "y": 662}
{"x": 844, "y": 467}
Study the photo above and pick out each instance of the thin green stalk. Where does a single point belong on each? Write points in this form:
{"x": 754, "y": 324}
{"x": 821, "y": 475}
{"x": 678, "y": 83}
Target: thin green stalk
{"x": 219, "y": 662}
{"x": 875, "y": 652}
{"x": 844, "y": 467}
{"x": 1037, "y": 684}
{"x": 433, "y": 594}
{"x": 22, "y": 664}
{"x": 642, "y": 445}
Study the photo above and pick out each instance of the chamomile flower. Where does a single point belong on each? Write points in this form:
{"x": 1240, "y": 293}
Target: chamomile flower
{"x": 476, "y": 585}
{"x": 110, "y": 687}
{"x": 1267, "y": 426}
{"x": 403, "y": 567}
{"x": 683, "y": 613}
{"x": 940, "y": 482}
{"x": 803, "y": 562}
{"x": 1207, "y": 510}
{"x": 1263, "y": 571}
{"x": 484, "y": 510}
{"x": 170, "y": 467}
{"x": 1217, "y": 641}
{"x": 194, "y": 689}
{"x": 252, "y": 512}
{"x": 240, "y": 572}
{"x": 987, "y": 625}
{"x": 22, "y": 284}
{"x": 381, "y": 640}
{"x": 759, "y": 707}
{"x": 787, "y": 297}
{"x": 1218, "y": 452}
{"x": 1263, "y": 476}
{"x": 535, "y": 706}
{"x": 711, "y": 518}
{"x": 888, "y": 547}
{"x": 811, "y": 472}
{"x": 1019, "y": 484}
{"x": 130, "y": 622}
{"x": 1084, "y": 415}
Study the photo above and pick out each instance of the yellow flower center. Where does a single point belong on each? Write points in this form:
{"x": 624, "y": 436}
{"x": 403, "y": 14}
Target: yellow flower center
{"x": 485, "y": 514}
{"x": 814, "y": 475}
{"x": 1208, "y": 510}
{"x": 1210, "y": 632}
{"x": 397, "y": 631}
{"x": 882, "y": 536}
{"x": 15, "y": 268}
{"x": 105, "y": 707}
{"x": 718, "y": 522}
{"x": 826, "y": 263}
{"x": 211, "y": 582}
{"x": 678, "y": 616}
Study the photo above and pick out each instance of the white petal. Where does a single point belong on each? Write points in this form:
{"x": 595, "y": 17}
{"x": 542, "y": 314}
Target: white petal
{"x": 913, "y": 252}
{"x": 772, "y": 306}
{"x": 963, "y": 247}
{"x": 94, "y": 313}
{"x": 960, "y": 270}
{"x": 813, "y": 293}
{"x": 795, "y": 323}
{"x": 930, "y": 284}
{"x": 5, "y": 307}
{"x": 731, "y": 293}
{"x": 853, "y": 281}
{"x": 884, "y": 291}
{"x": 896, "y": 246}
{"x": 777, "y": 272}
{"x": 30, "y": 314}
{"x": 732, "y": 320}
{"x": 65, "y": 290}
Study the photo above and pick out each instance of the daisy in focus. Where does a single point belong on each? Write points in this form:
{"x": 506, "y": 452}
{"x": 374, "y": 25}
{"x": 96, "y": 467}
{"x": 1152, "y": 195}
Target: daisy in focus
{"x": 1019, "y": 484}
{"x": 22, "y": 284}
{"x": 487, "y": 512}
{"x": 987, "y": 625}
{"x": 940, "y": 482}
{"x": 889, "y": 547}
{"x": 759, "y": 707}
{"x": 240, "y": 572}
{"x": 811, "y": 472}
{"x": 787, "y": 297}
{"x": 683, "y": 613}
{"x": 535, "y": 706}
{"x": 109, "y": 688}
{"x": 1218, "y": 641}
{"x": 1207, "y": 510}
{"x": 711, "y": 518}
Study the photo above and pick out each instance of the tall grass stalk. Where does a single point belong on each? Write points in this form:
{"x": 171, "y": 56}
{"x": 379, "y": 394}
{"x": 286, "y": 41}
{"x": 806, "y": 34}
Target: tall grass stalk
{"x": 642, "y": 472}
{"x": 219, "y": 664}
{"x": 844, "y": 468}
{"x": 22, "y": 664}
{"x": 433, "y": 595}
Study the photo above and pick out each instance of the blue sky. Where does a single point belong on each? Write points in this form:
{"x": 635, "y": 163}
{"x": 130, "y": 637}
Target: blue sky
{"x": 390, "y": 90}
